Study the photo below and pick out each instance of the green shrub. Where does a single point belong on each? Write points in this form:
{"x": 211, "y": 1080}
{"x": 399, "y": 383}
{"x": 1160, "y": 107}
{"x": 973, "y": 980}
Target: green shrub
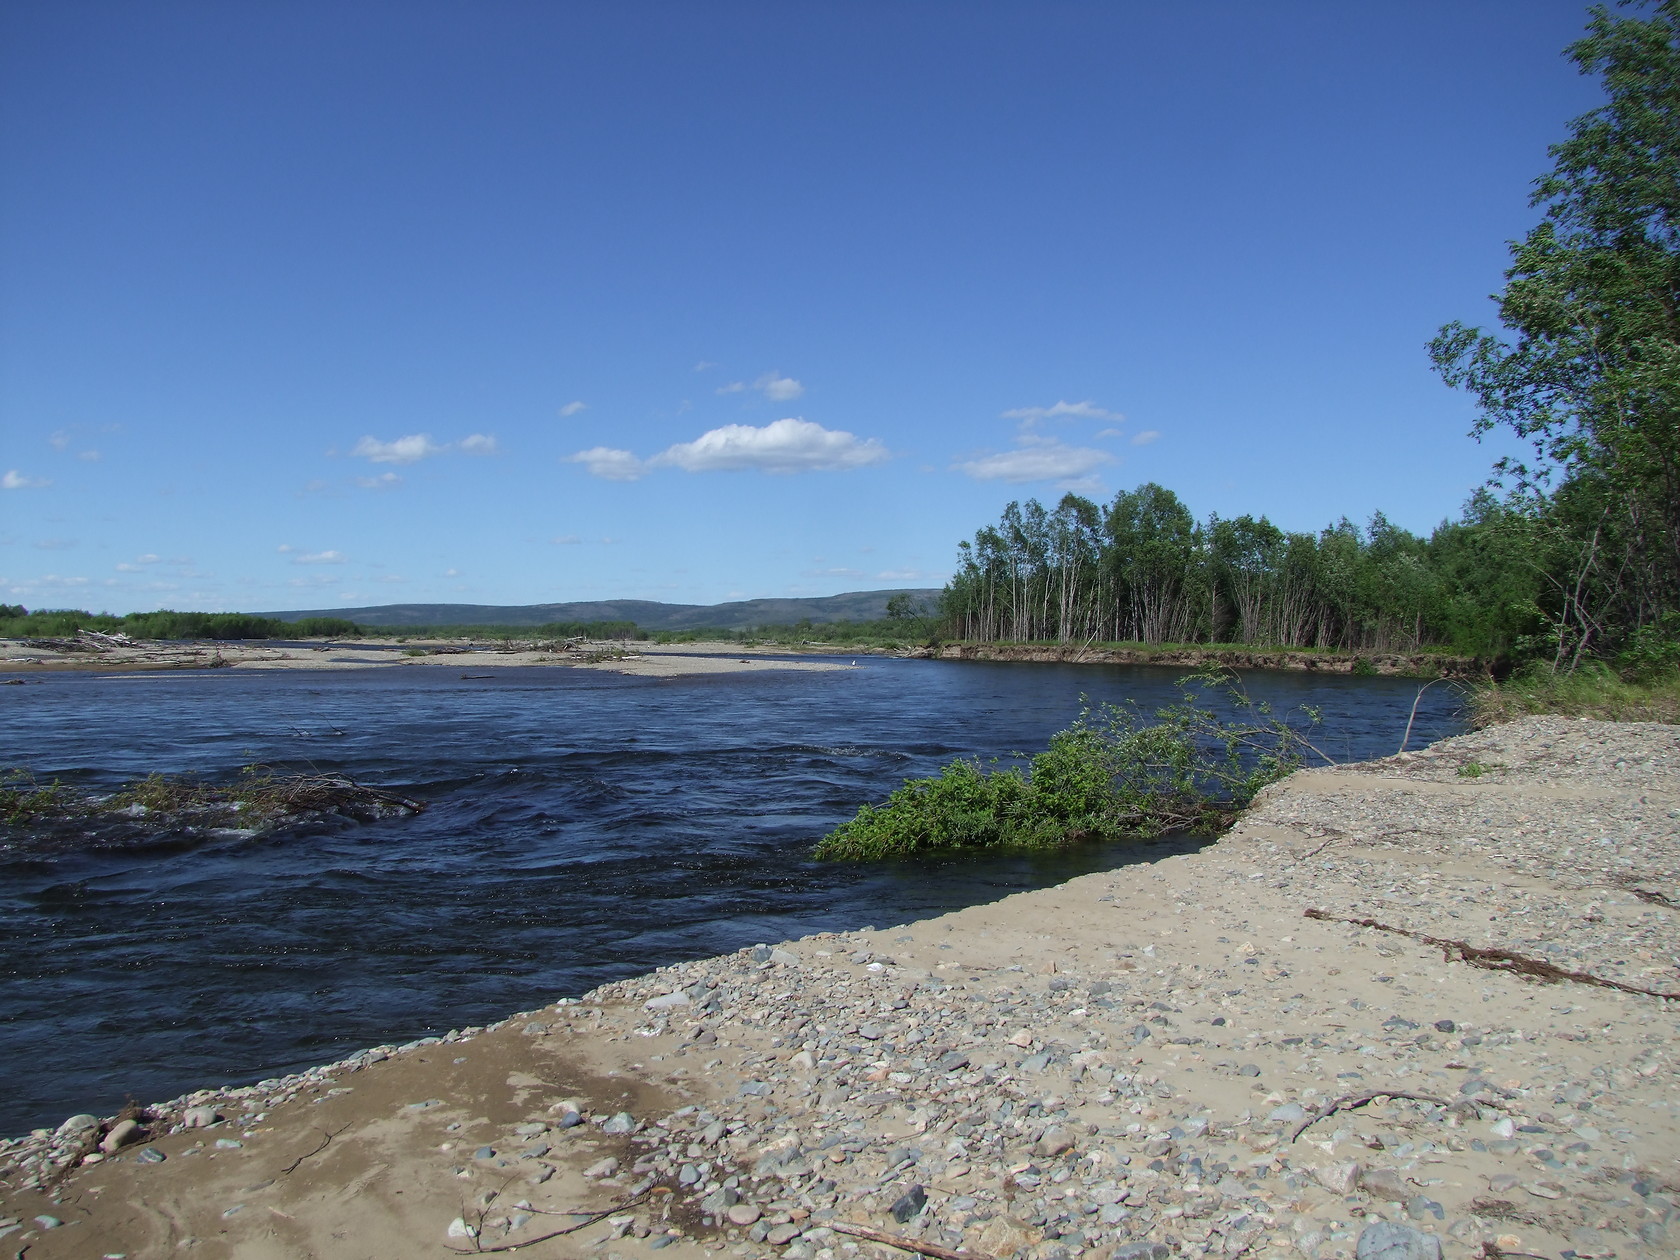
{"x": 1115, "y": 773}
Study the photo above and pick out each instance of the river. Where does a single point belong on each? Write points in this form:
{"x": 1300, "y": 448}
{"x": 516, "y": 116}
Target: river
{"x": 581, "y": 827}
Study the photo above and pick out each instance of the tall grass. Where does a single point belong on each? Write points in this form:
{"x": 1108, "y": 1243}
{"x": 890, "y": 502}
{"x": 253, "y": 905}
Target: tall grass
{"x": 1594, "y": 690}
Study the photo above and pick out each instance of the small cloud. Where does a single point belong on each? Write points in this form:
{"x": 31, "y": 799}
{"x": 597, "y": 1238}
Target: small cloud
{"x": 60, "y": 440}
{"x": 843, "y": 573}
{"x": 1145, "y": 438}
{"x": 283, "y": 548}
{"x": 1039, "y": 459}
{"x": 391, "y": 578}
{"x": 91, "y": 456}
{"x": 405, "y": 450}
{"x": 1074, "y": 411}
{"x": 138, "y": 564}
{"x": 382, "y": 482}
{"x": 705, "y": 365}
{"x": 573, "y": 407}
{"x": 480, "y": 444}
{"x": 783, "y": 446}
{"x": 778, "y": 388}
{"x": 55, "y": 544}
{"x": 1110, "y": 433}
{"x": 321, "y": 557}
{"x": 609, "y": 464}
{"x": 902, "y": 575}
{"x": 1092, "y": 486}
{"x": 14, "y": 480}
{"x": 566, "y": 540}
{"x": 452, "y": 573}
{"x": 734, "y": 387}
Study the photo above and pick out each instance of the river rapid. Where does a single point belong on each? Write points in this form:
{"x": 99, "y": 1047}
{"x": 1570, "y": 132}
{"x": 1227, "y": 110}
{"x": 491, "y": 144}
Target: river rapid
{"x": 581, "y": 827}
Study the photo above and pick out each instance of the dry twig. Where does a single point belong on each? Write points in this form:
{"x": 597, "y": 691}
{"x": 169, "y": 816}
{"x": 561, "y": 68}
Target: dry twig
{"x": 1349, "y": 1102}
{"x": 905, "y": 1244}
{"x": 570, "y": 1229}
{"x": 326, "y": 1141}
{"x": 1498, "y": 959}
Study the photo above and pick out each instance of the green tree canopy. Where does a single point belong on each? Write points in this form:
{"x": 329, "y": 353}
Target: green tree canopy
{"x": 1590, "y": 374}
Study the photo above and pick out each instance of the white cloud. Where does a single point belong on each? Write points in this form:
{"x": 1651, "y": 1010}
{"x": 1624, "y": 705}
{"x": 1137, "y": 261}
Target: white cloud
{"x": 904, "y": 575}
{"x": 283, "y": 548}
{"x": 734, "y": 387}
{"x": 1145, "y": 438}
{"x": 405, "y": 450}
{"x": 705, "y": 365}
{"x": 1110, "y": 433}
{"x": 566, "y": 540}
{"x": 609, "y": 464}
{"x": 92, "y": 457}
{"x": 321, "y": 557}
{"x": 452, "y": 573}
{"x": 55, "y": 544}
{"x": 138, "y": 564}
{"x": 480, "y": 444}
{"x": 783, "y": 446}
{"x": 778, "y": 388}
{"x": 384, "y": 481}
{"x": 1039, "y": 459}
{"x": 1078, "y": 411}
{"x": 14, "y": 480}
{"x": 573, "y": 407}
{"x": 58, "y": 441}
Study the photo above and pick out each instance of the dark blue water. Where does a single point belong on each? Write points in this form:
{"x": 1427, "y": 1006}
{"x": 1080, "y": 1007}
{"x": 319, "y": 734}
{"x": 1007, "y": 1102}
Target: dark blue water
{"x": 581, "y": 827}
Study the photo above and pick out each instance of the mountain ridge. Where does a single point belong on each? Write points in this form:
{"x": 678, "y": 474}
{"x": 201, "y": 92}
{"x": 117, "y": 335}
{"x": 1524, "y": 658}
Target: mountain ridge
{"x": 647, "y": 614}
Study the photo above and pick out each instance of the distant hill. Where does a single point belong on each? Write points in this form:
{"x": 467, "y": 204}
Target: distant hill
{"x": 648, "y": 614}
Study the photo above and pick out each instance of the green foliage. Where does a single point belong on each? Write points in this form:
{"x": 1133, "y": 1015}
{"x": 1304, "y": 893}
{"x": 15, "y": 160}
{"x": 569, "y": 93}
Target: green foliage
{"x": 325, "y": 628}
{"x": 163, "y": 624}
{"x": 1590, "y": 376}
{"x": 1115, "y": 773}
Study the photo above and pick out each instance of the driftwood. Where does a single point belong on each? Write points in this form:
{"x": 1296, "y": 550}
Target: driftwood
{"x": 905, "y": 1244}
{"x": 1498, "y": 959}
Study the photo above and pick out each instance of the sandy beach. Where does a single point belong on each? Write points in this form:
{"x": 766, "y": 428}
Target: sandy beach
{"x": 1456, "y": 1053}
{"x": 648, "y": 660}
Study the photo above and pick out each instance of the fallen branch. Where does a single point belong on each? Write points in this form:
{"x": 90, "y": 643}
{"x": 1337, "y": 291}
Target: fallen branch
{"x": 326, "y": 1141}
{"x": 1498, "y": 959}
{"x": 1656, "y": 898}
{"x": 905, "y": 1244}
{"x": 1350, "y": 1102}
{"x": 570, "y": 1229}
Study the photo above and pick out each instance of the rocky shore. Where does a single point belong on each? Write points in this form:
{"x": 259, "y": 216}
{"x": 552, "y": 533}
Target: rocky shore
{"x": 1462, "y": 1052}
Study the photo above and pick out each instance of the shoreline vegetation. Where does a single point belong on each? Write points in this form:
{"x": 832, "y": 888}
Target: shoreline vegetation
{"x": 1115, "y": 773}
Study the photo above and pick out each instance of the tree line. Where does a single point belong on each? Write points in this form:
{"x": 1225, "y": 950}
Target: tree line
{"x": 1141, "y": 568}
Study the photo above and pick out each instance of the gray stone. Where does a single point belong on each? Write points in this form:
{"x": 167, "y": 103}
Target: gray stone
{"x": 121, "y": 1134}
{"x": 1386, "y": 1240}
{"x": 952, "y": 1062}
{"x": 781, "y": 1235}
{"x": 1289, "y": 1113}
{"x": 485, "y": 1152}
{"x": 744, "y": 1213}
{"x": 204, "y": 1117}
{"x": 623, "y": 1122}
{"x": 909, "y": 1204}
{"x": 149, "y": 1155}
{"x": 1056, "y": 1141}
{"x": 77, "y": 1124}
{"x": 47, "y": 1222}
{"x": 660, "y": 1241}
{"x": 1143, "y": 1251}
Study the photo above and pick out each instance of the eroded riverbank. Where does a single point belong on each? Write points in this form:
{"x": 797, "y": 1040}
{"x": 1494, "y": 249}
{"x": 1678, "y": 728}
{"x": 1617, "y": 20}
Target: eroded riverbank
{"x": 1165, "y": 1056}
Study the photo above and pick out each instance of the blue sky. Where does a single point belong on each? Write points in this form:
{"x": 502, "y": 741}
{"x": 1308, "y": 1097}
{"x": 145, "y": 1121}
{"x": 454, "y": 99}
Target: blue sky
{"x": 327, "y": 304}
